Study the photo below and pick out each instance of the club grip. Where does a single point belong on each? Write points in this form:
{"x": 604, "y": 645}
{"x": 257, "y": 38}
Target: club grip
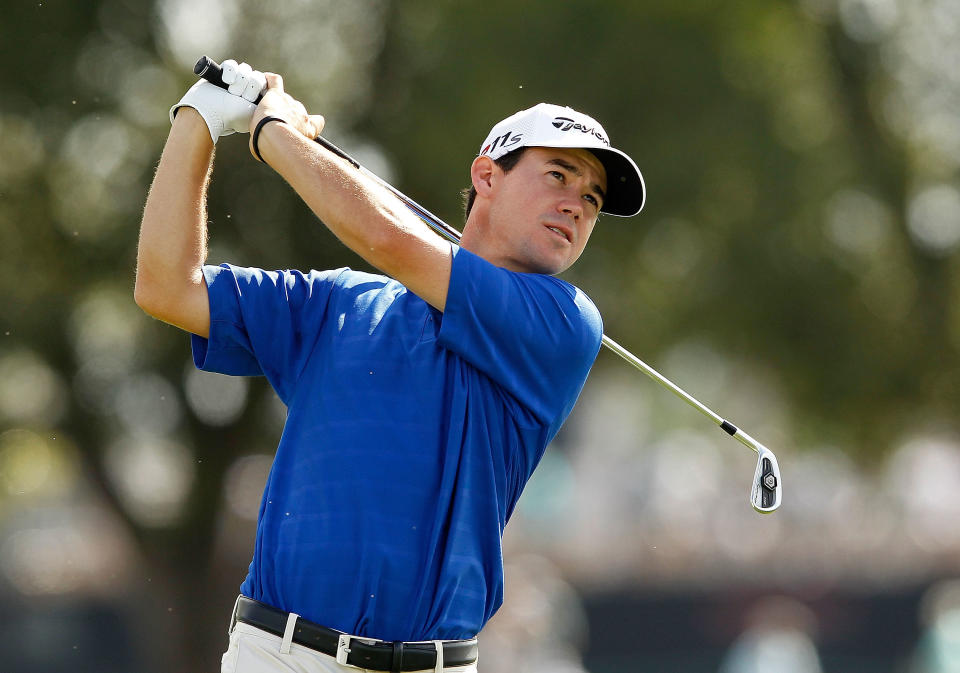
{"x": 208, "y": 69}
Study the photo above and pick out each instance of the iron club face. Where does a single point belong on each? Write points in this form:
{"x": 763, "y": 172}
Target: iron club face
{"x": 766, "y": 493}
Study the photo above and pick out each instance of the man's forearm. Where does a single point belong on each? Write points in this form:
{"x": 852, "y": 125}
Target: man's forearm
{"x": 362, "y": 214}
{"x": 173, "y": 234}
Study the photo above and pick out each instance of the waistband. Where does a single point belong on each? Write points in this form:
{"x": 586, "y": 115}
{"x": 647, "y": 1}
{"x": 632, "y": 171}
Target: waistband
{"x": 357, "y": 651}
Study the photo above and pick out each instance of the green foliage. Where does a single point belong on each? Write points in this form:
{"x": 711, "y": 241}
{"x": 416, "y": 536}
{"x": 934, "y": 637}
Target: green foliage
{"x": 775, "y": 227}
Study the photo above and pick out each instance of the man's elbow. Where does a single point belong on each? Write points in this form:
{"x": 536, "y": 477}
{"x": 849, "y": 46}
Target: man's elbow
{"x": 151, "y": 294}
{"x": 145, "y": 296}
{"x": 182, "y": 305}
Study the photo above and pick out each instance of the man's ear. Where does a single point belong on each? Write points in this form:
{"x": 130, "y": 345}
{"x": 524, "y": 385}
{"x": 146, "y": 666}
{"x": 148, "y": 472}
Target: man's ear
{"x": 482, "y": 172}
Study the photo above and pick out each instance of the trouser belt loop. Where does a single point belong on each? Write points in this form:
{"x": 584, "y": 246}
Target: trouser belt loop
{"x": 288, "y": 633}
{"x": 397, "y": 664}
{"x": 233, "y": 615}
{"x": 439, "y": 667}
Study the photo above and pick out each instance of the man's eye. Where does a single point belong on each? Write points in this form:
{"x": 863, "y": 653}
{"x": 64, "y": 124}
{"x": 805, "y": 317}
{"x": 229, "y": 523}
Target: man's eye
{"x": 557, "y": 174}
{"x": 592, "y": 199}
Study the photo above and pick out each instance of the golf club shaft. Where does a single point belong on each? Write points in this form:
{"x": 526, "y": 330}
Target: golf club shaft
{"x": 725, "y": 425}
{"x": 211, "y": 71}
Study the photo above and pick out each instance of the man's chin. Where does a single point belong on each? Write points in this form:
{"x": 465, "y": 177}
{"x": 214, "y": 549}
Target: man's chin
{"x": 548, "y": 265}
{"x": 547, "y": 268}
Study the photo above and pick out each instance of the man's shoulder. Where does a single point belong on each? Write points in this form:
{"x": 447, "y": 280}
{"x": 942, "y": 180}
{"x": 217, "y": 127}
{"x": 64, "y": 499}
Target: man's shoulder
{"x": 553, "y": 284}
{"x": 570, "y": 290}
{"x": 578, "y": 300}
{"x": 513, "y": 294}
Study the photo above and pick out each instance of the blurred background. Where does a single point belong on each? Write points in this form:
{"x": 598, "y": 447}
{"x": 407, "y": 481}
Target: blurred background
{"x": 796, "y": 268}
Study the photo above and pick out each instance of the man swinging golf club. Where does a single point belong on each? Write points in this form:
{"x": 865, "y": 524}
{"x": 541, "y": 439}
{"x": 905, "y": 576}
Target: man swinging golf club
{"x": 419, "y": 401}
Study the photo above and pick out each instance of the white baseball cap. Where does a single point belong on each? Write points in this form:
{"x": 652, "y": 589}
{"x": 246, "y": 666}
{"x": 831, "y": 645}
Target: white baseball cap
{"x": 546, "y": 125}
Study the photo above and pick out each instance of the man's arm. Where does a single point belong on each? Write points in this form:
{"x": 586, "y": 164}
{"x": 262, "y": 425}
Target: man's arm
{"x": 173, "y": 233}
{"x": 365, "y": 216}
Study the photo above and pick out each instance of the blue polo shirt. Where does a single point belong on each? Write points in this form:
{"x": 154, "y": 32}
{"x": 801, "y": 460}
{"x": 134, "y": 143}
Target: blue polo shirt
{"x": 409, "y": 437}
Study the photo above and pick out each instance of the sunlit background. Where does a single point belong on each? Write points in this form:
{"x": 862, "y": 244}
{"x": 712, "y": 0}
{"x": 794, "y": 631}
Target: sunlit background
{"x": 796, "y": 269}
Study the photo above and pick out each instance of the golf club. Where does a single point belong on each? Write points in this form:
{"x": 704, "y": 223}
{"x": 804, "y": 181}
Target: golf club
{"x": 765, "y": 493}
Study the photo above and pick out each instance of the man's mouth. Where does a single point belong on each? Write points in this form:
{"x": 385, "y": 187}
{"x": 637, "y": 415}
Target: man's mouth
{"x": 559, "y": 232}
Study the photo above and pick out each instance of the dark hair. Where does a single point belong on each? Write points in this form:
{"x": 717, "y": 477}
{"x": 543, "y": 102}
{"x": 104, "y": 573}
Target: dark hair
{"x": 506, "y": 163}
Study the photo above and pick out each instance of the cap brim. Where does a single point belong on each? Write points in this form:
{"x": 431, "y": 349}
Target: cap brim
{"x": 626, "y": 191}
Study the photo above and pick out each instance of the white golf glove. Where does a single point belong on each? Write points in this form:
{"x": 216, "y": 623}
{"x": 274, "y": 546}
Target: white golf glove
{"x": 230, "y": 110}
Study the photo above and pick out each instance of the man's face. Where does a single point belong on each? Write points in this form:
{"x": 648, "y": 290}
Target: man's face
{"x": 542, "y": 212}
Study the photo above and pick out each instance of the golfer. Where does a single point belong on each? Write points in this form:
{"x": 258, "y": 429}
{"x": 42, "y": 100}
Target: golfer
{"x": 419, "y": 402}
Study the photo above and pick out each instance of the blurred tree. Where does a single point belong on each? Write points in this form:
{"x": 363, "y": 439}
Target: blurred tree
{"x": 775, "y": 228}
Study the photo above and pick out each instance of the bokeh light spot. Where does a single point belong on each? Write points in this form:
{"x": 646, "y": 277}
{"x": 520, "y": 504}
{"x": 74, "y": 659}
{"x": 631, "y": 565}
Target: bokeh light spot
{"x": 216, "y": 399}
{"x": 30, "y": 390}
{"x": 152, "y": 476}
{"x": 933, "y": 218}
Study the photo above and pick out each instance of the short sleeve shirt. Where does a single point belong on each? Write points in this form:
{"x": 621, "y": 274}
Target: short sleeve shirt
{"x": 410, "y": 433}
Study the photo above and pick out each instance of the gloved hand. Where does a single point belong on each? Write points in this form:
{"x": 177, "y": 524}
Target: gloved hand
{"x": 226, "y": 111}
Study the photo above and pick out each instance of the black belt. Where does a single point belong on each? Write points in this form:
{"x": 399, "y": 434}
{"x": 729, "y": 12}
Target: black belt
{"x": 352, "y": 650}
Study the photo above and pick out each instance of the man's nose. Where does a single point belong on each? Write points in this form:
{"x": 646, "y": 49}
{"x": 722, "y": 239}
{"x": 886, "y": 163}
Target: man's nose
{"x": 571, "y": 205}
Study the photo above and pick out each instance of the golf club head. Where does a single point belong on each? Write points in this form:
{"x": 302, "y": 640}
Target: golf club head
{"x": 765, "y": 495}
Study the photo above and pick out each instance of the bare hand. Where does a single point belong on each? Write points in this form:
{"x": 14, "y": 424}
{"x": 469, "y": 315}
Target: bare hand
{"x": 277, "y": 103}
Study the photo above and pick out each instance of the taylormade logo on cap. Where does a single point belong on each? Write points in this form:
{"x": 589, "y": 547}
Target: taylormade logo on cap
{"x": 546, "y": 125}
{"x": 566, "y": 124}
